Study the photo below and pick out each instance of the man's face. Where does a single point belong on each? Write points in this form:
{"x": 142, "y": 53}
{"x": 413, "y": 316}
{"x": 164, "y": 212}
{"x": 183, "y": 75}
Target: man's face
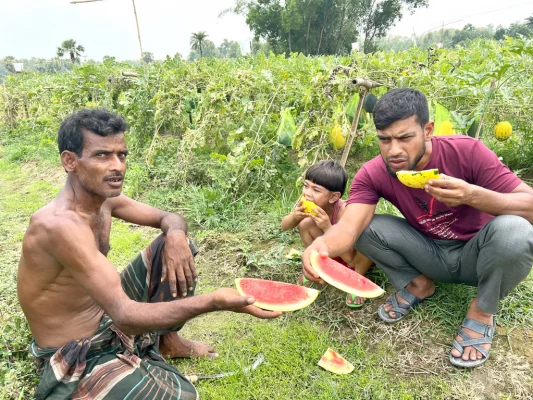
{"x": 102, "y": 166}
{"x": 403, "y": 144}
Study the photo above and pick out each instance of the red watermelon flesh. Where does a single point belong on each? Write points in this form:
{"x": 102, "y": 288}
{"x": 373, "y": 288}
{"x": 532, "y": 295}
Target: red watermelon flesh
{"x": 276, "y": 296}
{"x": 344, "y": 278}
{"x": 334, "y": 362}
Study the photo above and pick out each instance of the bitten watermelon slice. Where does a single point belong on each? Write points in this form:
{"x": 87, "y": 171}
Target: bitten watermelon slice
{"x": 276, "y": 296}
{"x": 334, "y": 362}
{"x": 344, "y": 278}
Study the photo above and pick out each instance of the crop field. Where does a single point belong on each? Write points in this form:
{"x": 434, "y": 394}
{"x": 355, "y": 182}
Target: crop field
{"x": 206, "y": 141}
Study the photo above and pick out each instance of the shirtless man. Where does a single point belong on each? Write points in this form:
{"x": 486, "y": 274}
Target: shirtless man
{"x": 97, "y": 333}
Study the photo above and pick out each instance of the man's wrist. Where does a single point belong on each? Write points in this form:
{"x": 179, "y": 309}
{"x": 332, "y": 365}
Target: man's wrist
{"x": 472, "y": 196}
{"x": 214, "y": 301}
{"x": 176, "y": 232}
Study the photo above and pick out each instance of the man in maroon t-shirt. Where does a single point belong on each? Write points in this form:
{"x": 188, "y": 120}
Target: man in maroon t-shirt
{"x": 472, "y": 226}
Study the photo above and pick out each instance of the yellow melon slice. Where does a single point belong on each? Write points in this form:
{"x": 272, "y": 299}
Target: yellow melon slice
{"x": 417, "y": 179}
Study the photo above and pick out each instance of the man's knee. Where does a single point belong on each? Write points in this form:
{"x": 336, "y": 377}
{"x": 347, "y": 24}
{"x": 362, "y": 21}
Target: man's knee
{"x": 509, "y": 236}
{"x": 379, "y": 227}
{"x": 509, "y": 242}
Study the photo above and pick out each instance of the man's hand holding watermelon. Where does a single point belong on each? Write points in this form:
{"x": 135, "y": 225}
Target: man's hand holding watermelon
{"x": 226, "y": 299}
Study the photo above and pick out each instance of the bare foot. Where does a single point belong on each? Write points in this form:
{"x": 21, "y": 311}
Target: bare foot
{"x": 475, "y": 313}
{"x": 421, "y": 287}
{"x": 172, "y": 345}
{"x": 357, "y": 300}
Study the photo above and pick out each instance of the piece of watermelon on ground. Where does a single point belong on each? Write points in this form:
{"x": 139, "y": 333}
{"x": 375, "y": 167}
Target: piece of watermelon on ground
{"x": 276, "y": 296}
{"x": 344, "y": 278}
{"x": 333, "y": 362}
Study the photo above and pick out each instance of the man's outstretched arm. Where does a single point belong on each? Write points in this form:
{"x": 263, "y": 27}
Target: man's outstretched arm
{"x": 71, "y": 242}
{"x": 341, "y": 237}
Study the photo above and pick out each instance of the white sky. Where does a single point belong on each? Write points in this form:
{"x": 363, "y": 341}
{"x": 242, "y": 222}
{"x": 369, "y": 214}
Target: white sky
{"x": 36, "y": 27}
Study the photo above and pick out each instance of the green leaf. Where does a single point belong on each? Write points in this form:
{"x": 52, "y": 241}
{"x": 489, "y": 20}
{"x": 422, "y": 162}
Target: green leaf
{"x": 351, "y": 107}
{"x": 287, "y": 128}
{"x": 441, "y": 114}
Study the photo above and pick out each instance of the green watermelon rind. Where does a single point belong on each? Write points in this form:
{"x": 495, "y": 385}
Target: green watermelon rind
{"x": 311, "y": 295}
{"x": 348, "y": 286}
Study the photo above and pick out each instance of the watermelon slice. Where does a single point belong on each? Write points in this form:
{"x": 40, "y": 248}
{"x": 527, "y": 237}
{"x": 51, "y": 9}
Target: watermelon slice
{"x": 334, "y": 362}
{"x": 344, "y": 278}
{"x": 276, "y": 296}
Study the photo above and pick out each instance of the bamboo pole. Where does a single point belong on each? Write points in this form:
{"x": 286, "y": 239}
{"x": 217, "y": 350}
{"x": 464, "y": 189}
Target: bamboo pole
{"x": 489, "y": 95}
{"x": 130, "y": 74}
{"x": 136, "y": 22}
{"x": 366, "y": 84}
{"x": 353, "y": 128}
{"x": 138, "y": 33}
{"x": 83, "y": 1}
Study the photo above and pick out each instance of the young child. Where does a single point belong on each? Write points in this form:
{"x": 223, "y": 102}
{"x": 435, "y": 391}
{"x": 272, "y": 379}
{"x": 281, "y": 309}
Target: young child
{"x": 324, "y": 185}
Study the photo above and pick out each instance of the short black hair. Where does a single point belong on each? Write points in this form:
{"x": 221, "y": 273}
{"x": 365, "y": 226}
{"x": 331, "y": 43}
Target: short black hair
{"x": 398, "y": 104}
{"x": 328, "y": 173}
{"x": 97, "y": 120}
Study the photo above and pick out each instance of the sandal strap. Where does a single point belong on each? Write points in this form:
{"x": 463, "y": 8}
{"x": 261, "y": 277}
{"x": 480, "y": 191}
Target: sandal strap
{"x": 408, "y": 297}
{"x": 460, "y": 348}
{"x": 479, "y": 327}
{"x": 486, "y": 330}
{"x": 402, "y": 308}
{"x": 397, "y": 307}
{"x": 461, "y": 345}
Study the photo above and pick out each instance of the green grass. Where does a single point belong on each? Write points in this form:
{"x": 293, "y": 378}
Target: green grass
{"x": 292, "y": 346}
{"x": 403, "y": 361}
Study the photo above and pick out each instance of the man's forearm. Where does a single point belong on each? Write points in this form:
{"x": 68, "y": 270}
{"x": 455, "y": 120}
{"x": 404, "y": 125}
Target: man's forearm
{"x": 495, "y": 203}
{"x": 339, "y": 239}
{"x": 136, "y": 318}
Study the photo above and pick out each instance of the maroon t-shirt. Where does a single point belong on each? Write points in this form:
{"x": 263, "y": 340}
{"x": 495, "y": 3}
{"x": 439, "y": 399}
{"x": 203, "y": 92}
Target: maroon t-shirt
{"x": 458, "y": 156}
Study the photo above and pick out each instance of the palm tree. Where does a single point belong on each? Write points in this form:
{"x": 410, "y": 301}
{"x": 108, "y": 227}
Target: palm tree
{"x": 197, "y": 40}
{"x": 69, "y": 47}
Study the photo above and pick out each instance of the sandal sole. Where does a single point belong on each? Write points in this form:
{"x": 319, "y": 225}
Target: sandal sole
{"x": 459, "y": 362}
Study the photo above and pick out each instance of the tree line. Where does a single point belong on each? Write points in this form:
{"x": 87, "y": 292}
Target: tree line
{"x": 450, "y": 37}
{"x": 310, "y": 27}
{"x": 322, "y": 27}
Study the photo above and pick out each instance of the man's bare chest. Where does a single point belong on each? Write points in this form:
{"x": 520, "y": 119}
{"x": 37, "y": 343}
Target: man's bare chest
{"x": 101, "y": 227}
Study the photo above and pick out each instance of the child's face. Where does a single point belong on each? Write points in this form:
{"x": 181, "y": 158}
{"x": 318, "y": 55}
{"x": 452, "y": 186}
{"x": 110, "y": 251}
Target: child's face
{"x": 319, "y": 194}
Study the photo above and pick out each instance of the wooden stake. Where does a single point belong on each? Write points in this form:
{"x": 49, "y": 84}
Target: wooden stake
{"x": 136, "y": 21}
{"x": 491, "y": 91}
{"x": 83, "y": 1}
{"x": 353, "y": 129}
{"x": 366, "y": 83}
{"x": 138, "y": 33}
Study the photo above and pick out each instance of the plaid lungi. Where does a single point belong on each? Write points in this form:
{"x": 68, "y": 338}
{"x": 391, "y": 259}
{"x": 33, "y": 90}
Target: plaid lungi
{"x": 111, "y": 364}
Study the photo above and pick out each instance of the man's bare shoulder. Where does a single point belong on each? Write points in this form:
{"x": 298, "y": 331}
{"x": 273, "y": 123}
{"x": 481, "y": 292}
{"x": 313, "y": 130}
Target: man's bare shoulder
{"x": 53, "y": 222}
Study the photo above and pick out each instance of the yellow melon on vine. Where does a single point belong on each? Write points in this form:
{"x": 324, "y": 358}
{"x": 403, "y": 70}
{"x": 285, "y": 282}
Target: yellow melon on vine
{"x": 445, "y": 128}
{"x": 503, "y": 130}
{"x": 336, "y": 137}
